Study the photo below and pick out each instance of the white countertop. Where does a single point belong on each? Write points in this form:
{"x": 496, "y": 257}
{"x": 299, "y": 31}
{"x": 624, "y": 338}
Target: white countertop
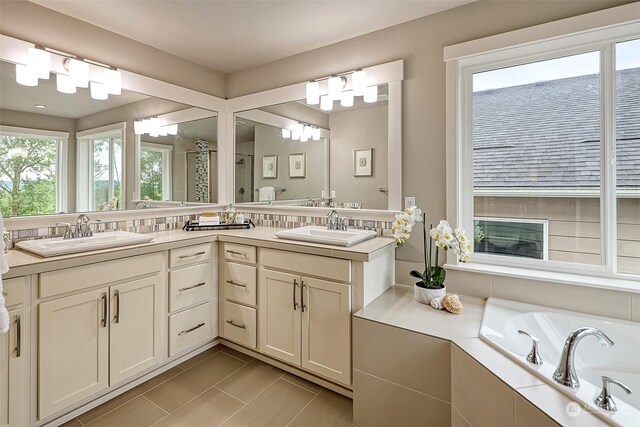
{"x": 22, "y": 263}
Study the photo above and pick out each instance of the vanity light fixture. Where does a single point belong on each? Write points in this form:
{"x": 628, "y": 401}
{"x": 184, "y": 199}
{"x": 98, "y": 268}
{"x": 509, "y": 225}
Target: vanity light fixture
{"x": 301, "y": 132}
{"x": 38, "y": 66}
{"x": 154, "y": 127}
{"x": 39, "y": 106}
{"x": 286, "y": 133}
{"x": 336, "y": 85}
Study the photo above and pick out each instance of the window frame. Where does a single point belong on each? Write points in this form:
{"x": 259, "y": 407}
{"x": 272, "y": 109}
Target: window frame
{"x": 62, "y": 147}
{"x": 474, "y": 57}
{"x": 85, "y": 161}
{"x": 167, "y": 165}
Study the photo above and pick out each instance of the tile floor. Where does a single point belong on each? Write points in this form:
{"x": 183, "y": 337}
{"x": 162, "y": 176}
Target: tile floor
{"x": 218, "y": 387}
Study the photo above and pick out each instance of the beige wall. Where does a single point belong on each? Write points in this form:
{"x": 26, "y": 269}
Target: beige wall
{"x": 359, "y": 129}
{"x": 37, "y": 24}
{"x": 420, "y": 44}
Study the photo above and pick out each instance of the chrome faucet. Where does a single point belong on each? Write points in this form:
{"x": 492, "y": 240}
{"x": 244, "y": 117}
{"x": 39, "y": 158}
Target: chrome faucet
{"x": 86, "y": 230}
{"x": 333, "y": 220}
{"x": 565, "y": 373}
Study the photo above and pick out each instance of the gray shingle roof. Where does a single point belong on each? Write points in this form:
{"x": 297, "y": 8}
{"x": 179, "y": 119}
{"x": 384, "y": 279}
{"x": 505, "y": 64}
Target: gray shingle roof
{"x": 547, "y": 134}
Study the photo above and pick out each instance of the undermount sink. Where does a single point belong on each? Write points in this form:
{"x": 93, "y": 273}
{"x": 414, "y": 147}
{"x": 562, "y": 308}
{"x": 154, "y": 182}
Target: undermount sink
{"x": 59, "y": 246}
{"x": 327, "y": 237}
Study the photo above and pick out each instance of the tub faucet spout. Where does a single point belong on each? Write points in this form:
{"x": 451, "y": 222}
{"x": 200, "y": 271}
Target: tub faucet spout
{"x": 565, "y": 374}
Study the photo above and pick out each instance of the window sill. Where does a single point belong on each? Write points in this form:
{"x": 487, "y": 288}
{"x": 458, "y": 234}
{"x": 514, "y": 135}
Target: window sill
{"x": 615, "y": 284}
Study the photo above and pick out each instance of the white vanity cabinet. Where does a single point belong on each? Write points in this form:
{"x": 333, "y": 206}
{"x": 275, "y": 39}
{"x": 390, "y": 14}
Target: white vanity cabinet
{"x": 94, "y": 339}
{"x": 192, "y": 315}
{"x": 14, "y": 357}
{"x": 306, "y": 320}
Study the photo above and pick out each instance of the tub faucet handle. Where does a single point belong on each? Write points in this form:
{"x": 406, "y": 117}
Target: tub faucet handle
{"x": 604, "y": 399}
{"x": 534, "y": 355}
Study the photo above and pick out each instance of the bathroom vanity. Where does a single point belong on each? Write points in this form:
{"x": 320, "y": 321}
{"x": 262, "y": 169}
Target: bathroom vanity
{"x": 88, "y": 327}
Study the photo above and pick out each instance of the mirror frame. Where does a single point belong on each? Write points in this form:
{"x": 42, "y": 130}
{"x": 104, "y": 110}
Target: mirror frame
{"x": 391, "y": 73}
{"x": 14, "y": 50}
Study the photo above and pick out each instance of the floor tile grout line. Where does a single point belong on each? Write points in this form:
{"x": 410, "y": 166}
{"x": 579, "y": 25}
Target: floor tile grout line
{"x": 203, "y": 360}
{"x": 229, "y": 394}
{"x": 154, "y": 404}
{"x": 206, "y": 390}
{"x": 305, "y": 407}
{"x": 251, "y": 400}
{"x": 237, "y": 358}
{"x": 81, "y": 423}
{"x": 298, "y": 385}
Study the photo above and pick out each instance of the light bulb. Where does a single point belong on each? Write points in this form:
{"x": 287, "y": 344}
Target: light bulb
{"x": 39, "y": 62}
{"x": 163, "y": 131}
{"x": 113, "y": 81}
{"x": 308, "y": 132}
{"x": 64, "y": 84}
{"x": 286, "y": 133}
{"x": 153, "y": 132}
{"x": 25, "y": 77}
{"x": 359, "y": 82}
{"x": 313, "y": 93}
{"x": 303, "y": 138}
{"x": 371, "y": 94}
{"x": 79, "y": 71}
{"x": 335, "y": 87}
{"x": 99, "y": 91}
{"x": 146, "y": 125}
{"x": 326, "y": 103}
{"x": 298, "y": 128}
{"x": 346, "y": 100}
{"x": 172, "y": 129}
{"x": 295, "y": 135}
{"x": 316, "y": 134}
{"x": 138, "y": 127}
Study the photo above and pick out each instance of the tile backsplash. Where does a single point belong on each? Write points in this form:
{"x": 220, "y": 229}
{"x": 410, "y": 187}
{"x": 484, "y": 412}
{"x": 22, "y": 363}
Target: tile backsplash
{"x": 150, "y": 225}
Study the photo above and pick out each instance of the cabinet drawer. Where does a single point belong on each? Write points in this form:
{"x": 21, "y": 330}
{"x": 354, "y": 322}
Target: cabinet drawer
{"x": 189, "y": 286}
{"x": 15, "y": 291}
{"x": 240, "y": 283}
{"x": 189, "y": 328}
{"x": 239, "y": 324}
{"x": 189, "y": 255}
{"x": 242, "y": 253}
{"x": 86, "y": 276}
{"x": 313, "y": 265}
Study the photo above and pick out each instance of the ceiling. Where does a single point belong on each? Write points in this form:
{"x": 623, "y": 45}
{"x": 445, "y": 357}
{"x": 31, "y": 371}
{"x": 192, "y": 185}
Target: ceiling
{"x": 228, "y": 36}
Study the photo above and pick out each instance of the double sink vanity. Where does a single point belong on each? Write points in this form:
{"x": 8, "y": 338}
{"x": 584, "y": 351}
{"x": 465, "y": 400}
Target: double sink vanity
{"x": 91, "y": 325}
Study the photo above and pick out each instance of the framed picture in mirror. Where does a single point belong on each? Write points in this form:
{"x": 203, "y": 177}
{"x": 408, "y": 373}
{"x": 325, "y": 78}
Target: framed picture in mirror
{"x": 270, "y": 166}
{"x": 363, "y": 162}
{"x": 297, "y": 165}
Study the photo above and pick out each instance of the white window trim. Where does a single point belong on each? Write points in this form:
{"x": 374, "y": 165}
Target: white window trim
{"x": 61, "y": 158}
{"x": 167, "y": 165}
{"x": 84, "y": 162}
{"x": 596, "y": 31}
{"x": 545, "y": 231}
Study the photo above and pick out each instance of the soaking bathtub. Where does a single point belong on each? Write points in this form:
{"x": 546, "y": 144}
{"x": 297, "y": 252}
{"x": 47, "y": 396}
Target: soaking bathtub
{"x": 500, "y": 325}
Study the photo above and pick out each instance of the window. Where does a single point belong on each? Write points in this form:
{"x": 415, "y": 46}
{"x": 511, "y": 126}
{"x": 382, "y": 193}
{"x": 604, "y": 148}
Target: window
{"x": 155, "y": 171}
{"x": 100, "y": 159}
{"x": 31, "y": 171}
{"x": 513, "y": 237}
{"x": 547, "y": 155}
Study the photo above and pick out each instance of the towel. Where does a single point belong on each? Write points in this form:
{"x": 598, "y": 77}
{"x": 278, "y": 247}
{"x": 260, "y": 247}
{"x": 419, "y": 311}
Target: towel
{"x": 267, "y": 193}
{"x": 4, "y": 267}
{"x": 437, "y": 303}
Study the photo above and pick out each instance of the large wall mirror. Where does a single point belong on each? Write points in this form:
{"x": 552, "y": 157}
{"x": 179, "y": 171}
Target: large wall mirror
{"x": 67, "y": 152}
{"x": 295, "y": 154}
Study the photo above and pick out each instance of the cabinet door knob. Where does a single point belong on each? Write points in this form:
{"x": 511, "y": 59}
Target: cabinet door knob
{"x": 232, "y": 323}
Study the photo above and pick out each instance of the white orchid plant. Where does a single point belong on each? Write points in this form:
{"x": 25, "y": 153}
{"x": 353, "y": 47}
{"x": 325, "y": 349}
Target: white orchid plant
{"x": 443, "y": 236}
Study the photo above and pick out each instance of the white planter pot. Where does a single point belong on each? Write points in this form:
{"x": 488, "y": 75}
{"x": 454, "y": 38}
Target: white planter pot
{"x": 425, "y": 296}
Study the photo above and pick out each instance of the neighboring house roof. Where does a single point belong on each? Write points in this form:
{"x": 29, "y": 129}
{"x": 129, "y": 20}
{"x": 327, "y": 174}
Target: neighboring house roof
{"x": 547, "y": 135}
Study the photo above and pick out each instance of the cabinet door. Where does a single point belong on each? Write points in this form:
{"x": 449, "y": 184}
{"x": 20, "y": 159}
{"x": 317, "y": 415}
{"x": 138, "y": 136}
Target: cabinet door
{"x": 326, "y": 329}
{"x": 280, "y": 316}
{"x": 73, "y": 353}
{"x": 13, "y": 379}
{"x": 136, "y": 327}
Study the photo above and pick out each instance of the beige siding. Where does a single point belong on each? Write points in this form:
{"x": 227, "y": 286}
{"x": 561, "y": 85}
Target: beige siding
{"x": 574, "y": 226}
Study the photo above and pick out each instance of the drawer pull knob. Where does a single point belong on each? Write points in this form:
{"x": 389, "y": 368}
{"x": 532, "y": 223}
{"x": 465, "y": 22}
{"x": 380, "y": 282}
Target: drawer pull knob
{"x": 231, "y": 282}
{"x": 244, "y": 254}
{"x": 192, "y": 287}
{"x": 198, "y": 326}
{"x": 192, "y": 255}
{"x": 232, "y": 323}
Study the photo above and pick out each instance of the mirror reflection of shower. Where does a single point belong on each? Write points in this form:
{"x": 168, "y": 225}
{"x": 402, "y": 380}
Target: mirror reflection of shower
{"x": 244, "y": 178}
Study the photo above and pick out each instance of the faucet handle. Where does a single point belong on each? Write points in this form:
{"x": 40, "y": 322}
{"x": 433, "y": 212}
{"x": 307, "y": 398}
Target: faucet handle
{"x": 605, "y": 400}
{"x": 534, "y": 355}
{"x": 89, "y": 231}
{"x": 68, "y": 234}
